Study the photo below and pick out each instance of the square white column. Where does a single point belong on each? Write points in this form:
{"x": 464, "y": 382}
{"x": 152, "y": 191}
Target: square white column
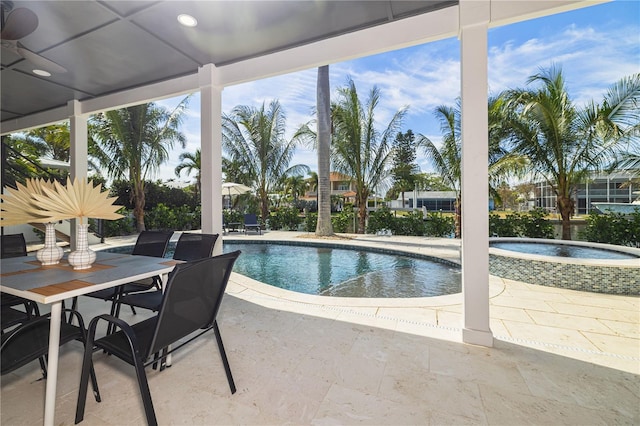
{"x": 474, "y": 20}
{"x": 78, "y": 152}
{"x": 211, "y": 151}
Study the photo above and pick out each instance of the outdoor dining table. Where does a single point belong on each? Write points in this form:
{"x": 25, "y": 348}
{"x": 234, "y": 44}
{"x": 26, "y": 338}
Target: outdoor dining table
{"x": 51, "y": 285}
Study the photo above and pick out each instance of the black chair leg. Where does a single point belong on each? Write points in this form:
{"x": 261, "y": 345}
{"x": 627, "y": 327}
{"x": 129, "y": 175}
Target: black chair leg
{"x": 145, "y": 392}
{"x": 43, "y": 366}
{"x": 87, "y": 366}
{"x": 223, "y": 354}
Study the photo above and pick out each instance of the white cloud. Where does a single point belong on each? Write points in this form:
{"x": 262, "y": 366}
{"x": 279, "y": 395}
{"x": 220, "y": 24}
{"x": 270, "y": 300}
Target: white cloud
{"x": 593, "y": 56}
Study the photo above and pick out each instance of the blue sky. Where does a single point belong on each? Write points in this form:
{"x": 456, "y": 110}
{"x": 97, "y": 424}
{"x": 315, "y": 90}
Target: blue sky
{"x": 596, "y": 46}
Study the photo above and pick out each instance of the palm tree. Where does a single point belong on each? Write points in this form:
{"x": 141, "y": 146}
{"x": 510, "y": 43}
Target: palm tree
{"x": 295, "y": 185}
{"x": 359, "y": 150}
{"x": 324, "y": 227}
{"x": 132, "y": 144}
{"x": 191, "y": 164}
{"x": 312, "y": 182}
{"x": 447, "y": 159}
{"x": 255, "y": 138}
{"x": 563, "y": 142}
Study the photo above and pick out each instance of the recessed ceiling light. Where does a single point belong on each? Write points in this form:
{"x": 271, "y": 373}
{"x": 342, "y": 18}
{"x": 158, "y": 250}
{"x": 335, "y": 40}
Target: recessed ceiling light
{"x": 187, "y": 20}
{"x": 42, "y": 73}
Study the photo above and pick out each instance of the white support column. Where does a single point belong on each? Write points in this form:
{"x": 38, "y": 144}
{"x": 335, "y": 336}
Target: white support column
{"x": 474, "y": 20}
{"x": 211, "y": 151}
{"x": 79, "y": 148}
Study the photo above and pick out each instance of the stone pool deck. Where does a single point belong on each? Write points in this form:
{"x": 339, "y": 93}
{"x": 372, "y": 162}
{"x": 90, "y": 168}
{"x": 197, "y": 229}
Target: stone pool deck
{"x": 559, "y": 357}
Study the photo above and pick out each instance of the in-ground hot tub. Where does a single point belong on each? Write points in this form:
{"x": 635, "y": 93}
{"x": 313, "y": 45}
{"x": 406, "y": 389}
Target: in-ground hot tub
{"x": 575, "y": 265}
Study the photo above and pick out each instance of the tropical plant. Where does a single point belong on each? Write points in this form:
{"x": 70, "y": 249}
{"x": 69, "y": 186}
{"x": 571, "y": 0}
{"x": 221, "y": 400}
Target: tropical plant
{"x": 54, "y": 140}
{"x": 359, "y": 149}
{"x": 447, "y": 159}
{"x": 191, "y": 162}
{"x": 613, "y": 228}
{"x": 562, "y": 142}
{"x": 255, "y": 139}
{"x": 312, "y": 182}
{"x": 21, "y": 160}
{"x": 132, "y": 144}
{"x": 295, "y": 186}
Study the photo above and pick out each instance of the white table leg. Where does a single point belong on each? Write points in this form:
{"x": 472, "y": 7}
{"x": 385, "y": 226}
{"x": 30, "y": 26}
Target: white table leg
{"x": 165, "y": 279}
{"x": 52, "y": 365}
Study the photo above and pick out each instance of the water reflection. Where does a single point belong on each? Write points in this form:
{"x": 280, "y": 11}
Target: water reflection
{"x": 347, "y": 273}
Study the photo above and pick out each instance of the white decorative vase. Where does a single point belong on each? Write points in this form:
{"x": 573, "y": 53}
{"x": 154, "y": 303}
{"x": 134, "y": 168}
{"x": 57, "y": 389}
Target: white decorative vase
{"x": 83, "y": 257}
{"x": 50, "y": 254}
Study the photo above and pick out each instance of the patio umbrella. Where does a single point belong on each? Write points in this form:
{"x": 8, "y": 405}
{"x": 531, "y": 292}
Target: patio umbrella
{"x": 233, "y": 188}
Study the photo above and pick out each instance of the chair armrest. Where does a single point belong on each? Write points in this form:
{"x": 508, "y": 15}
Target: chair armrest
{"x": 125, "y": 327}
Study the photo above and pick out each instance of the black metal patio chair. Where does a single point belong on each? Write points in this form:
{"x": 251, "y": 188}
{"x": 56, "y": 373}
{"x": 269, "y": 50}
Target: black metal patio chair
{"x": 190, "y": 304}
{"x": 30, "y": 341}
{"x": 149, "y": 243}
{"x": 14, "y": 245}
{"x": 189, "y": 247}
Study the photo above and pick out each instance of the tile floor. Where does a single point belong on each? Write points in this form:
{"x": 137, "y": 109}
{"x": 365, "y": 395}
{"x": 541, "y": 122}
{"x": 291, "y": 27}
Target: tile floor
{"x": 559, "y": 357}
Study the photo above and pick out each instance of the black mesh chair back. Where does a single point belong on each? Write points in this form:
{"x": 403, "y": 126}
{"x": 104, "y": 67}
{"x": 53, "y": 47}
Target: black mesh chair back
{"x": 190, "y": 303}
{"x": 194, "y": 246}
{"x": 13, "y": 245}
{"x": 189, "y": 247}
{"x": 30, "y": 342}
{"x": 192, "y": 300}
{"x": 152, "y": 243}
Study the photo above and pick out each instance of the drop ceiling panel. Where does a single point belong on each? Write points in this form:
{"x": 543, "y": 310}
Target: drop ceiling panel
{"x": 118, "y": 56}
{"x": 62, "y": 20}
{"x": 23, "y": 93}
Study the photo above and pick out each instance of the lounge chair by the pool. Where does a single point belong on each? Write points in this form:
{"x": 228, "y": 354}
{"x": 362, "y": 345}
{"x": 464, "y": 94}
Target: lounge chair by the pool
{"x": 251, "y": 223}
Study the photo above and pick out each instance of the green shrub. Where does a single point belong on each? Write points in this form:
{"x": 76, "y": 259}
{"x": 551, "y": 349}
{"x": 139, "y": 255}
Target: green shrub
{"x": 535, "y": 225}
{"x": 343, "y": 221}
{"x": 285, "y": 218}
{"x": 439, "y": 225}
{"x": 122, "y": 226}
{"x": 507, "y": 227}
{"x": 311, "y": 222}
{"x": 409, "y": 224}
{"x": 532, "y": 225}
{"x": 162, "y": 217}
{"x": 614, "y": 228}
{"x": 232, "y": 216}
{"x": 380, "y": 219}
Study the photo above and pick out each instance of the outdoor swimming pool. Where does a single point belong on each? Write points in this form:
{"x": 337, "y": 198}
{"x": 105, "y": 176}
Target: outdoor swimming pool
{"x": 563, "y": 250}
{"x": 329, "y": 271}
{"x": 575, "y": 265}
{"x": 345, "y": 272}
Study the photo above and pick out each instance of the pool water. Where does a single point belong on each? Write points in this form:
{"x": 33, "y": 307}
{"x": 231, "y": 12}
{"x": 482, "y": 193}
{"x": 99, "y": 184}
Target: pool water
{"x": 344, "y": 272}
{"x": 562, "y": 250}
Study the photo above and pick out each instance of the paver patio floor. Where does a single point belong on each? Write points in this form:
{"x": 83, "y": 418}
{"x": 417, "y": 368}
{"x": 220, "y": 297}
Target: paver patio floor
{"x": 559, "y": 357}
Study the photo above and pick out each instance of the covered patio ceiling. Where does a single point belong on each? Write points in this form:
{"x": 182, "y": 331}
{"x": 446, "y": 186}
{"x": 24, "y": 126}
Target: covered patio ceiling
{"x": 110, "y": 46}
{"x": 113, "y": 50}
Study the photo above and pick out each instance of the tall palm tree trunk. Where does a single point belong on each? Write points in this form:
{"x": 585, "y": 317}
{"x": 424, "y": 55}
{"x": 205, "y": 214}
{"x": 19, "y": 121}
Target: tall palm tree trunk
{"x": 362, "y": 214}
{"x": 565, "y": 206}
{"x": 138, "y": 205}
{"x": 324, "y": 226}
{"x": 458, "y": 218}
